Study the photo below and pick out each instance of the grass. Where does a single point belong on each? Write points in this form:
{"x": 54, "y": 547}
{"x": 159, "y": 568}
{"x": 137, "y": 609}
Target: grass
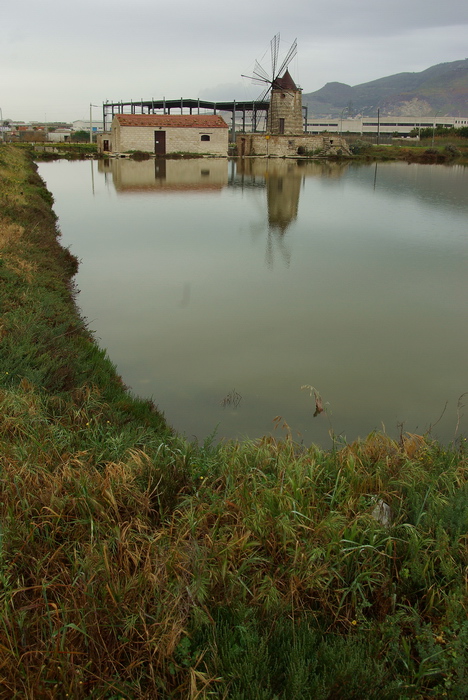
{"x": 52, "y": 151}
{"x": 444, "y": 149}
{"x": 134, "y": 564}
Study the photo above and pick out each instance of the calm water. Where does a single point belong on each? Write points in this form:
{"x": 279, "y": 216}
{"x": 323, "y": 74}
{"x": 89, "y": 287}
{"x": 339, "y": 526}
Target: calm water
{"x": 220, "y": 289}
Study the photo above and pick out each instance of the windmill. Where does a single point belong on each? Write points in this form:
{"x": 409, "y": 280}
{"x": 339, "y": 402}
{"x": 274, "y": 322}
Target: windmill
{"x": 260, "y": 75}
{"x": 282, "y": 118}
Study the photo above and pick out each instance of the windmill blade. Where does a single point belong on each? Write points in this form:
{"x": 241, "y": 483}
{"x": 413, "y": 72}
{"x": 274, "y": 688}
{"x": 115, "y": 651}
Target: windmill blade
{"x": 260, "y": 76}
{"x": 289, "y": 57}
{"x": 261, "y": 73}
{"x": 264, "y": 94}
{"x": 288, "y": 92}
{"x": 274, "y": 47}
{"x": 255, "y": 80}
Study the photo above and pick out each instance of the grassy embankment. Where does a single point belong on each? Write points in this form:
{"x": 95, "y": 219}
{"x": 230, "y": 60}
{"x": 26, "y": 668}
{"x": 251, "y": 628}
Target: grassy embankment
{"x": 136, "y": 565}
{"x": 54, "y": 151}
{"x": 448, "y": 150}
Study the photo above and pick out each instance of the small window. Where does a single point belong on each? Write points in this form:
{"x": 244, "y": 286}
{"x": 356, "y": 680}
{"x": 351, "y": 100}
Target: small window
{"x": 205, "y": 137}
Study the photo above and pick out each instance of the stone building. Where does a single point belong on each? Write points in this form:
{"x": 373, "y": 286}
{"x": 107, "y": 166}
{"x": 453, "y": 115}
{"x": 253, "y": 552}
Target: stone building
{"x": 285, "y": 131}
{"x": 59, "y": 135}
{"x": 166, "y": 133}
{"x": 291, "y": 145}
{"x": 285, "y": 113}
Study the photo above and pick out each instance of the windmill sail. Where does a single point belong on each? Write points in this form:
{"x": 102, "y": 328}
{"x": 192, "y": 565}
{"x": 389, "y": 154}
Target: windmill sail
{"x": 259, "y": 74}
{"x": 289, "y": 57}
{"x": 262, "y": 77}
{"x": 274, "y": 47}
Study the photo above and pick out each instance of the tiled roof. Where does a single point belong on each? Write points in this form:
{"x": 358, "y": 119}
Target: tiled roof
{"x": 285, "y": 83}
{"x": 195, "y": 121}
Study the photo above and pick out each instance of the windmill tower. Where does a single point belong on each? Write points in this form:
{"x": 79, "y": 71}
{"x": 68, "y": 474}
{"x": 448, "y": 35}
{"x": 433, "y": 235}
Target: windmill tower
{"x": 285, "y": 111}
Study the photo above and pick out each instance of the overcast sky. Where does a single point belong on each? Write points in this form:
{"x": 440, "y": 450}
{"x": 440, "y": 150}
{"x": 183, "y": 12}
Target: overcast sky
{"x": 56, "y": 58}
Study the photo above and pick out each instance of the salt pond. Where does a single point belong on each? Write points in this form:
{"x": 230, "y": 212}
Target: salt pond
{"x": 221, "y": 288}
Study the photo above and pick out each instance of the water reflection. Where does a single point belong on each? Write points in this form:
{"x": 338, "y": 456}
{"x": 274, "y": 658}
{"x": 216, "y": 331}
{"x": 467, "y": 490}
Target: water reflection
{"x": 281, "y": 179}
{"x": 207, "y": 279}
{"x": 156, "y": 174}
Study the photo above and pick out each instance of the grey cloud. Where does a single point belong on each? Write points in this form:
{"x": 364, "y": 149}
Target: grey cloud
{"x": 57, "y": 60}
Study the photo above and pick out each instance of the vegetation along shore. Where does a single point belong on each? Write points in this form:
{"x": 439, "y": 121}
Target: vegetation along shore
{"x": 441, "y": 146}
{"x": 135, "y": 564}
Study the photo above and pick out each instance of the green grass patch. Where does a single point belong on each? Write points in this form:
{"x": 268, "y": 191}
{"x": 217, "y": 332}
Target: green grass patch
{"x": 442, "y": 150}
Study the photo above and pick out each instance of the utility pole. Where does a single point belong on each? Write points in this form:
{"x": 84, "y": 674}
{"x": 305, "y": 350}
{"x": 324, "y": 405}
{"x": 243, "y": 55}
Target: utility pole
{"x": 433, "y": 128}
{"x": 91, "y": 122}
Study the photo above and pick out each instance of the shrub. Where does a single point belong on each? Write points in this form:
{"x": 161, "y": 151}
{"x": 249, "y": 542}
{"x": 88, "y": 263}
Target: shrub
{"x": 359, "y": 147}
{"x": 140, "y": 155}
{"x": 452, "y": 150}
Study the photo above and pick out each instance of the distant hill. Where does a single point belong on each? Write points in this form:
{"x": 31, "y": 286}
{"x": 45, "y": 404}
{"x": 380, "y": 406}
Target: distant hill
{"x": 443, "y": 88}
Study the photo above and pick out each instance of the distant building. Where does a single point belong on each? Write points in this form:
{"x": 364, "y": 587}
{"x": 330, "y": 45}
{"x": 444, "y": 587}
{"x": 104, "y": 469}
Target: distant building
{"x": 59, "y": 135}
{"x": 83, "y": 125}
{"x": 166, "y": 133}
{"x": 402, "y": 126}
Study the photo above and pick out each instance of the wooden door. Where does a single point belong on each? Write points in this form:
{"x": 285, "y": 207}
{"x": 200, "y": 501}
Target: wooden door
{"x": 160, "y": 143}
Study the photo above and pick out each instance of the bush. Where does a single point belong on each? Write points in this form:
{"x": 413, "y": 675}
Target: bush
{"x": 429, "y": 131}
{"x": 140, "y": 155}
{"x": 452, "y": 150}
{"x": 80, "y": 136}
{"x": 359, "y": 147}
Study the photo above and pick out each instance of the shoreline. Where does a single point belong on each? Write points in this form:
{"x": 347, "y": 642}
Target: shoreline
{"x": 443, "y": 151}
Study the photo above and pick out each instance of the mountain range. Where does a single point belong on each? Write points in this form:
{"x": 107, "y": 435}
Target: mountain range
{"x": 441, "y": 89}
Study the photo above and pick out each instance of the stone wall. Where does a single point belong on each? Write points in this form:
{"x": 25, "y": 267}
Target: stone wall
{"x": 285, "y": 106}
{"x": 303, "y": 144}
{"x": 186, "y": 140}
{"x": 104, "y": 139}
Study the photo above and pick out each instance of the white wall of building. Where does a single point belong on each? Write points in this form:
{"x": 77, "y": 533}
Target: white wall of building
{"x": 384, "y": 125}
{"x": 59, "y": 135}
{"x": 83, "y": 125}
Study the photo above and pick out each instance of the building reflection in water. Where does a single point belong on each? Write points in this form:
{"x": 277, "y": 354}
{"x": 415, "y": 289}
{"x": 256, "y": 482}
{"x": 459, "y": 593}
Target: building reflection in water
{"x": 160, "y": 174}
{"x": 281, "y": 178}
